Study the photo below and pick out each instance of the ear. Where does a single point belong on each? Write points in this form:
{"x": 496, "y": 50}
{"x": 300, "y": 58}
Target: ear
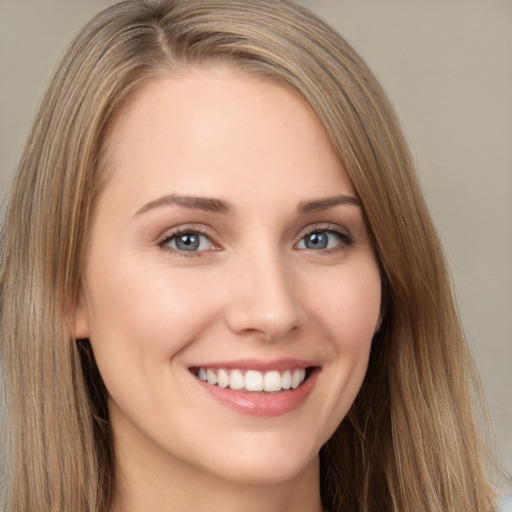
{"x": 80, "y": 321}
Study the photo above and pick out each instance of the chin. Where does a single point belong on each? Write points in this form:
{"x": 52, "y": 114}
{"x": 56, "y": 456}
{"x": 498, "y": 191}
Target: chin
{"x": 265, "y": 463}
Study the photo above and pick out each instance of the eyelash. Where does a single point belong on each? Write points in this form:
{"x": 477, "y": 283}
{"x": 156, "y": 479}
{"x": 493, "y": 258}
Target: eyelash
{"x": 168, "y": 237}
{"x": 345, "y": 239}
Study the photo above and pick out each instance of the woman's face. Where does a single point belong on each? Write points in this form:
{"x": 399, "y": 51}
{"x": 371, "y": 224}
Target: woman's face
{"x": 231, "y": 290}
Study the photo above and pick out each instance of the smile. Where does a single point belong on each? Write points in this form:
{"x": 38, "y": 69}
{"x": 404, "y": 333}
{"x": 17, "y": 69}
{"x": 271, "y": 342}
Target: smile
{"x": 258, "y": 388}
{"x": 252, "y": 380}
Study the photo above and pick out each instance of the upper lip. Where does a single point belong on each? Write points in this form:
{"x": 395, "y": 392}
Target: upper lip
{"x": 257, "y": 364}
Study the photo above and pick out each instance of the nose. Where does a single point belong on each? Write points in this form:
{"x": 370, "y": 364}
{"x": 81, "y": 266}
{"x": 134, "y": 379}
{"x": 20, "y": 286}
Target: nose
{"x": 262, "y": 297}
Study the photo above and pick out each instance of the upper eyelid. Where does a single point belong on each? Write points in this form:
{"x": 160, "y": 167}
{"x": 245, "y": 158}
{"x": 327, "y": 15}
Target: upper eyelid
{"x": 162, "y": 241}
{"x": 323, "y": 226}
{"x": 345, "y": 237}
{"x": 185, "y": 228}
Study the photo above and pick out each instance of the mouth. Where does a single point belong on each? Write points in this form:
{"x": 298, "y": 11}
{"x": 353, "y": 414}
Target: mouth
{"x": 258, "y": 388}
{"x": 253, "y": 380}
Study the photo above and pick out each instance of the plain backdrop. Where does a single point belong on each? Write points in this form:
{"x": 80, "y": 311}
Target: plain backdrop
{"x": 447, "y": 66}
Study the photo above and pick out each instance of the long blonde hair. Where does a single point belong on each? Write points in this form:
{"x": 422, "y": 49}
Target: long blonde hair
{"x": 409, "y": 442}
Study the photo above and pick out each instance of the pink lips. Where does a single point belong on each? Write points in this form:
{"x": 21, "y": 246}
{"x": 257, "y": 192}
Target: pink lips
{"x": 262, "y": 403}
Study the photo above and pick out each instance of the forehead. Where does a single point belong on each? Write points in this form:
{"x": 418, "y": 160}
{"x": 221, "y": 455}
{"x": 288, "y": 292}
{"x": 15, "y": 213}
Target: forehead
{"x": 209, "y": 127}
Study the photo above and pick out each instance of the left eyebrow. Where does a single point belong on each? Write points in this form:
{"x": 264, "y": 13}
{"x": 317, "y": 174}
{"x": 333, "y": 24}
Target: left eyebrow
{"x": 329, "y": 202}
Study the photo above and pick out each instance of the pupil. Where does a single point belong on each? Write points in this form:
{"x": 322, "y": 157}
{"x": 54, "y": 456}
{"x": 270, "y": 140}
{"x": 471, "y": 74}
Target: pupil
{"x": 316, "y": 241}
{"x": 187, "y": 242}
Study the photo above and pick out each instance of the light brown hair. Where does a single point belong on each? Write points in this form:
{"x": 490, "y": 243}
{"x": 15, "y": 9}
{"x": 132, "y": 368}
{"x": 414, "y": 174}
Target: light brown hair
{"x": 409, "y": 442}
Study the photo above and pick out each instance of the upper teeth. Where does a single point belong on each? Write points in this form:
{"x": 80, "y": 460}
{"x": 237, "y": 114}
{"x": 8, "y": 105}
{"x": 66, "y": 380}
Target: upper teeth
{"x": 253, "y": 380}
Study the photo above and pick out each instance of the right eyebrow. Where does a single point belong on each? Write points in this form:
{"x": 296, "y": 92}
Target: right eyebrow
{"x": 207, "y": 204}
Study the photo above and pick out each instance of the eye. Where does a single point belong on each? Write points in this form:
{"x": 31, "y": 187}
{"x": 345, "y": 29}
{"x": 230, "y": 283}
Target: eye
{"x": 324, "y": 239}
{"x": 187, "y": 241}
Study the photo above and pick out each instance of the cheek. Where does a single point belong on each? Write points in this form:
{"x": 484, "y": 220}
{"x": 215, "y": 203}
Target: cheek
{"x": 141, "y": 320}
{"x": 345, "y": 307}
{"x": 348, "y": 303}
{"x": 140, "y": 311}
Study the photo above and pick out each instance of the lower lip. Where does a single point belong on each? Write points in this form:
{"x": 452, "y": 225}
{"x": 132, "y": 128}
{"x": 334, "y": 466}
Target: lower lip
{"x": 262, "y": 403}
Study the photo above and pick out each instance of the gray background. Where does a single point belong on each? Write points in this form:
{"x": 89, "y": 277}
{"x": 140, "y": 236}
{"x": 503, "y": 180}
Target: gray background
{"x": 447, "y": 66}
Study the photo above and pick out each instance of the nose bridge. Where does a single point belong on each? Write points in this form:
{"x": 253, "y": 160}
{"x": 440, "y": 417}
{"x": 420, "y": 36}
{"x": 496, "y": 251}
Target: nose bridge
{"x": 262, "y": 293}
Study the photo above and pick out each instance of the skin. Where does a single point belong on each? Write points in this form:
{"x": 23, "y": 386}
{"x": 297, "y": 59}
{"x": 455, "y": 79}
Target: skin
{"x": 255, "y": 289}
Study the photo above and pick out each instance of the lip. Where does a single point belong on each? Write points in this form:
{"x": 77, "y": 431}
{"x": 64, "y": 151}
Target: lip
{"x": 264, "y": 404}
{"x": 258, "y": 364}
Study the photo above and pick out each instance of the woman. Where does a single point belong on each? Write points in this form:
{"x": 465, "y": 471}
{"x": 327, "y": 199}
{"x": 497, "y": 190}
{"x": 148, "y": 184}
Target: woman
{"x": 220, "y": 282}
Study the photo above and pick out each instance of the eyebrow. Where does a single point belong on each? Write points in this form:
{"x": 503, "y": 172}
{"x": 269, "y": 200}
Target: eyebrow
{"x": 324, "y": 204}
{"x": 206, "y": 204}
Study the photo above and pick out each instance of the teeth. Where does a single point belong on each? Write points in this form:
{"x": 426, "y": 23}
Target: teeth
{"x": 296, "y": 379}
{"x": 222, "y": 379}
{"x": 236, "y": 380}
{"x": 272, "y": 381}
{"x": 253, "y": 380}
{"x": 286, "y": 380}
{"x": 211, "y": 376}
